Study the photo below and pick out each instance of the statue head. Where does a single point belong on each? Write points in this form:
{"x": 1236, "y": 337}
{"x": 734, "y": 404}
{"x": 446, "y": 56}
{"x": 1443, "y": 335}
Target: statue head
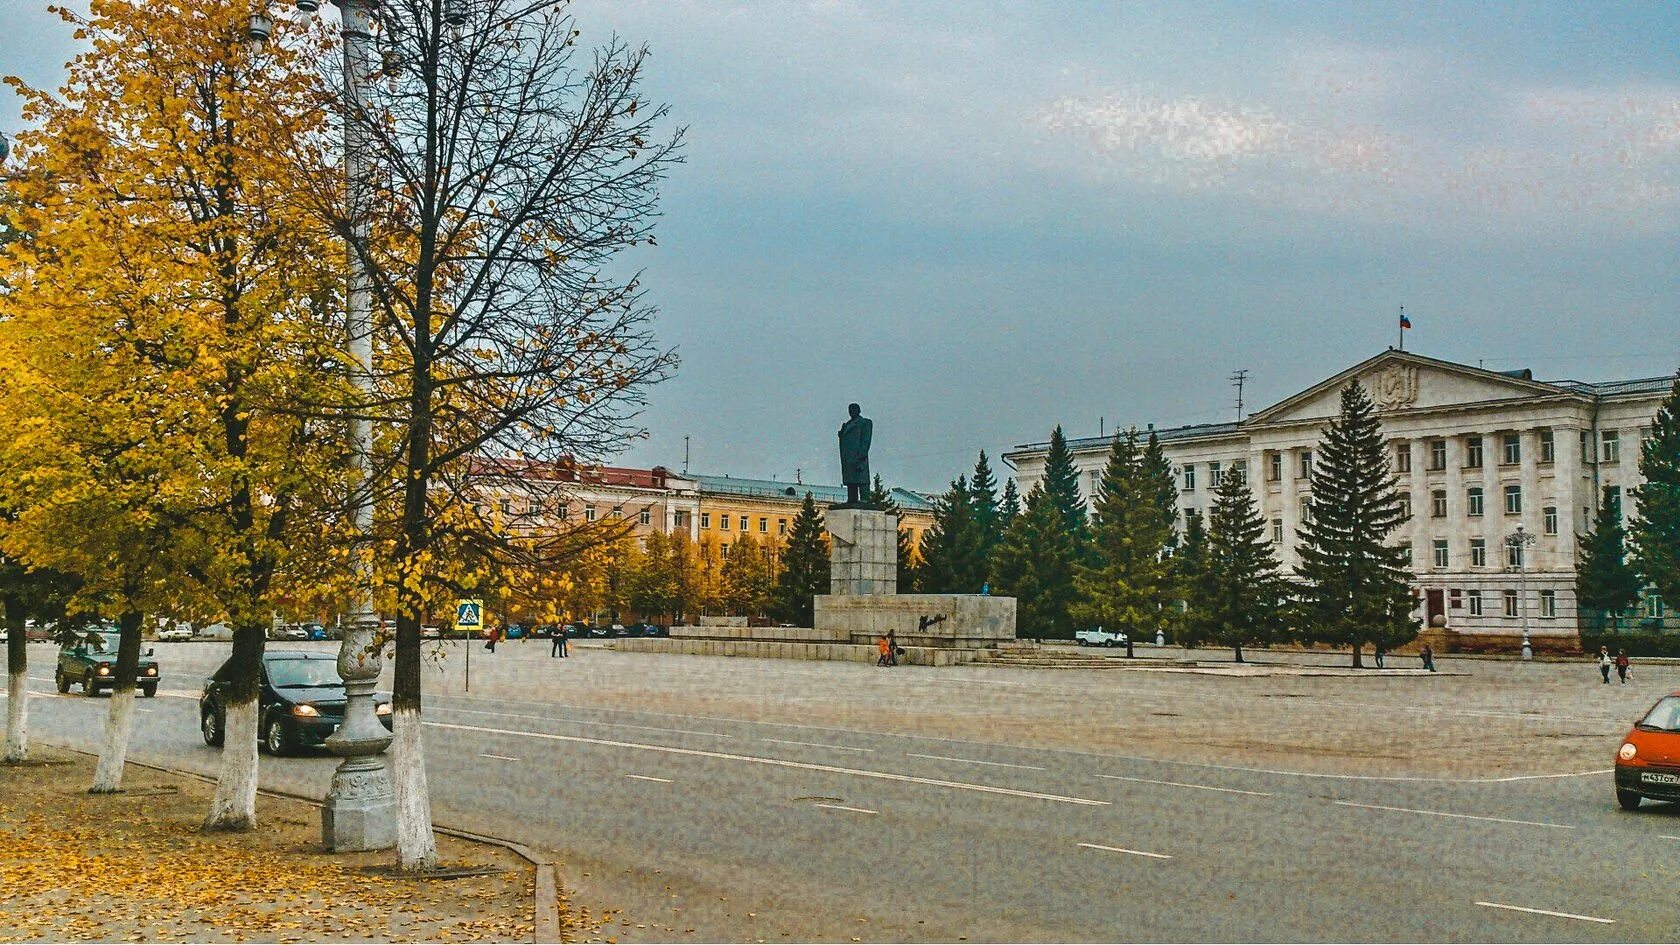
{"x": 854, "y": 410}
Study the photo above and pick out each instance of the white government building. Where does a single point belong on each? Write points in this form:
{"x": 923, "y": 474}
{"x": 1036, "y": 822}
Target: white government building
{"x": 1478, "y": 454}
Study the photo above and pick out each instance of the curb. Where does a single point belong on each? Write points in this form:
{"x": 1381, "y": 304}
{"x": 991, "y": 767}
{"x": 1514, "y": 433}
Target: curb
{"x": 545, "y": 911}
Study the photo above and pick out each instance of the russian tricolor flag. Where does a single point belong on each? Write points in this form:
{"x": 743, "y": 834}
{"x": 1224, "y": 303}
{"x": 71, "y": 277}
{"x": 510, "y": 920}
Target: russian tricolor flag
{"x": 1404, "y": 321}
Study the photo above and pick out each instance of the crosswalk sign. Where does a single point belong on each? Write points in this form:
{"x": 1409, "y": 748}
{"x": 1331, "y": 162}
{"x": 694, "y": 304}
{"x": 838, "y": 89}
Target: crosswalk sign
{"x": 469, "y": 615}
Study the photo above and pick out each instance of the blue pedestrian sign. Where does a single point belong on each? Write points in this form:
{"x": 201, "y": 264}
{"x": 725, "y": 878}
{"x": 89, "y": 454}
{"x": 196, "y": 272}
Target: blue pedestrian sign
{"x": 469, "y": 615}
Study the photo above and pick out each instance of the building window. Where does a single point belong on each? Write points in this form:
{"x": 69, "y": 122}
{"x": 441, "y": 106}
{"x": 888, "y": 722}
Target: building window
{"x": 1241, "y": 466}
{"x": 1306, "y": 508}
{"x": 1512, "y": 450}
{"x": 764, "y": 526}
{"x": 1474, "y": 500}
{"x": 723, "y": 521}
{"x": 1274, "y": 471}
{"x": 1473, "y": 453}
{"x": 1654, "y": 607}
{"x": 1406, "y": 552}
{"x": 1513, "y": 554}
{"x": 1456, "y": 599}
{"x": 1551, "y": 519}
{"x": 1548, "y": 603}
{"x": 1214, "y": 469}
{"x": 1548, "y": 446}
{"x": 1443, "y": 556}
{"x": 1510, "y": 603}
{"x": 1189, "y": 477}
{"x": 589, "y": 513}
{"x": 1405, "y": 506}
{"x": 506, "y": 506}
{"x": 1277, "y": 531}
{"x": 646, "y": 518}
{"x": 1403, "y": 458}
{"x": 1306, "y": 464}
{"x": 1438, "y": 503}
{"x": 1475, "y": 598}
{"x": 1586, "y": 447}
{"x": 723, "y": 548}
{"x": 1437, "y": 454}
{"x": 705, "y": 520}
{"x": 618, "y": 511}
{"x": 743, "y": 523}
{"x": 1190, "y": 515}
{"x": 1096, "y": 482}
{"x": 1610, "y": 448}
{"x": 1478, "y": 552}
{"x": 1646, "y": 439}
{"x": 781, "y": 526}
{"x": 1513, "y": 500}
{"x": 1613, "y": 498}
{"x": 564, "y": 511}
{"x": 682, "y": 519}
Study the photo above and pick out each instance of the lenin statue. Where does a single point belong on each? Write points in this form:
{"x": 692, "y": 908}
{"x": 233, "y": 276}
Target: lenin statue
{"x": 854, "y": 456}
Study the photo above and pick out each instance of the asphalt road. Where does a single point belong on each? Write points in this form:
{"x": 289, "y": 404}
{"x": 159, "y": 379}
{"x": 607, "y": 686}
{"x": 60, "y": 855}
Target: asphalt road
{"x": 706, "y": 827}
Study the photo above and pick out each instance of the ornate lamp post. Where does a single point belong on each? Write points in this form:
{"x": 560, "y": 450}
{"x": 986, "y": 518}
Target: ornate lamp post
{"x": 1518, "y": 542}
{"x": 360, "y": 812}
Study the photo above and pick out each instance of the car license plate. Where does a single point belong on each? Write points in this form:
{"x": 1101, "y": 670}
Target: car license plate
{"x": 1660, "y": 777}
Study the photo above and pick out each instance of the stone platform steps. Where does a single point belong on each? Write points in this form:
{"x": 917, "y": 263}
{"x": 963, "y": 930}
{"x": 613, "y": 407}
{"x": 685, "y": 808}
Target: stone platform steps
{"x": 1042, "y": 657}
{"x": 793, "y": 650}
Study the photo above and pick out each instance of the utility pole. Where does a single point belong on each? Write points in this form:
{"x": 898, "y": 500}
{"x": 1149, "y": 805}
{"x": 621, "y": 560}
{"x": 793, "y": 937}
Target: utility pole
{"x": 685, "y": 455}
{"x": 1237, "y": 381}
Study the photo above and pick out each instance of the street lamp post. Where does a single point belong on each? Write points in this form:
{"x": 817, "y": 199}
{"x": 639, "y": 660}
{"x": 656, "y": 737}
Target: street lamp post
{"x": 1518, "y": 542}
{"x": 360, "y": 811}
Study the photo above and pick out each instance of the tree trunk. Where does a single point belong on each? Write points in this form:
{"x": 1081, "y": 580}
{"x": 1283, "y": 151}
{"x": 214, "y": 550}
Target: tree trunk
{"x": 119, "y": 722}
{"x": 1238, "y": 649}
{"x": 235, "y": 805}
{"x": 17, "y": 683}
{"x": 416, "y": 847}
{"x": 1358, "y": 660}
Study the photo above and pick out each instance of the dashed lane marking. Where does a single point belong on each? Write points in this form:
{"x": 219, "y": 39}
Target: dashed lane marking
{"x": 781, "y": 763}
{"x": 1199, "y": 787}
{"x": 855, "y": 810}
{"x": 1154, "y": 856}
{"x": 973, "y": 761}
{"x": 554, "y": 718}
{"x": 1442, "y": 813}
{"x": 788, "y": 741}
{"x": 643, "y": 777}
{"x": 1560, "y": 915}
{"x": 497, "y": 757}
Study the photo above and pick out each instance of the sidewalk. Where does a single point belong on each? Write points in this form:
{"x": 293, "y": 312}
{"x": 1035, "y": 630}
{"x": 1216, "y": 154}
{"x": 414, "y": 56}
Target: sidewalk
{"x": 136, "y": 867}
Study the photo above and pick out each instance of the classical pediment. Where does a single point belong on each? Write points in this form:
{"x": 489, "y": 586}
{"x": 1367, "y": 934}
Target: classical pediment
{"x": 1400, "y": 381}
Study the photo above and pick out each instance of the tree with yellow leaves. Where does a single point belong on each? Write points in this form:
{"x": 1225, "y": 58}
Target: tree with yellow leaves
{"x": 169, "y": 310}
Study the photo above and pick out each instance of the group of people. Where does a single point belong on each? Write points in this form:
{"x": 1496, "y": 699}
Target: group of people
{"x": 1620, "y": 661}
{"x": 890, "y": 650}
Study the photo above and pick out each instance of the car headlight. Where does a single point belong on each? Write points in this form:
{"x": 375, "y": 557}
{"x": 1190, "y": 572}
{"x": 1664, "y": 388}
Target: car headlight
{"x": 151, "y": 670}
{"x": 383, "y": 708}
{"x": 1627, "y": 751}
{"x": 104, "y": 670}
{"x": 305, "y": 710}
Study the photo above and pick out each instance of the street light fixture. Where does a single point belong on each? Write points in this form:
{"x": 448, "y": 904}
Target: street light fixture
{"x": 1517, "y": 555}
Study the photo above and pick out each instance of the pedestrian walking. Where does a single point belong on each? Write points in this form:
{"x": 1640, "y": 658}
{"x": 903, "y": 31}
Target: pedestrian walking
{"x": 1623, "y": 667}
{"x": 1604, "y": 662}
{"x": 558, "y": 647}
{"x": 490, "y": 639}
{"x": 1380, "y": 654}
{"x": 881, "y": 644}
{"x": 892, "y": 647}
{"x": 1428, "y": 656}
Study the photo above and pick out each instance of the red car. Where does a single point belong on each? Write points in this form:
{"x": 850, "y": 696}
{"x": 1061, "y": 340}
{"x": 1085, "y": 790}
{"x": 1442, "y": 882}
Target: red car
{"x": 1648, "y": 763}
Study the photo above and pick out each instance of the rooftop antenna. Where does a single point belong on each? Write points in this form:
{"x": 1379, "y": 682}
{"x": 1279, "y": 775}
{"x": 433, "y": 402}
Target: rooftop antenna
{"x": 798, "y": 475}
{"x": 1237, "y": 381}
{"x": 685, "y": 455}
{"x": 1102, "y": 427}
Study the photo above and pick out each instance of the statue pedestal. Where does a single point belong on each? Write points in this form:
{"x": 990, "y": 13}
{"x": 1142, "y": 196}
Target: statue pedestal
{"x": 863, "y": 552}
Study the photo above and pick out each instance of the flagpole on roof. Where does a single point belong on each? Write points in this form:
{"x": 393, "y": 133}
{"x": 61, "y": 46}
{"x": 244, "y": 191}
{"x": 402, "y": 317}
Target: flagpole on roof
{"x": 1402, "y": 328}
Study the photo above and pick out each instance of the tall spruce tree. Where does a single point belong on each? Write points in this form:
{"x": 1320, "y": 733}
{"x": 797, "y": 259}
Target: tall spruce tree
{"x": 983, "y": 498}
{"x": 1188, "y": 566}
{"x": 1061, "y": 484}
{"x": 1354, "y": 586}
{"x": 1656, "y": 528}
{"x": 1159, "y": 486}
{"x": 1008, "y": 507}
{"x": 1128, "y": 583}
{"x": 1604, "y": 581}
{"x": 1240, "y": 588}
{"x": 953, "y": 550}
{"x": 1034, "y": 564}
{"x": 805, "y": 567}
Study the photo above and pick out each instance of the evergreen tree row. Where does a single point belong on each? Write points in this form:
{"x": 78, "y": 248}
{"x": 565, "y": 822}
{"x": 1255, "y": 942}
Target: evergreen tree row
{"x": 1615, "y": 564}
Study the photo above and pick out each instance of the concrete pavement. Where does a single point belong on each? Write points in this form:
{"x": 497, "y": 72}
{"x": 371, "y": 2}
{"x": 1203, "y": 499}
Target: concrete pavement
{"x": 794, "y": 800}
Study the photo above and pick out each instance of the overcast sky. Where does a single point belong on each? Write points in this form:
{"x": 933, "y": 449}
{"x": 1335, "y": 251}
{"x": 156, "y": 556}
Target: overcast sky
{"x": 981, "y": 220}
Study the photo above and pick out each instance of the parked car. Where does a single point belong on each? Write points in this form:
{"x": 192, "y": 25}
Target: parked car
{"x": 575, "y": 630}
{"x": 430, "y": 633}
{"x": 301, "y": 702}
{"x": 599, "y": 632}
{"x": 176, "y": 633}
{"x": 617, "y": 630}
{"x": 91, "y": 660}
{"x": 1648, "y": 763}
{"x": 1100, "y": 637}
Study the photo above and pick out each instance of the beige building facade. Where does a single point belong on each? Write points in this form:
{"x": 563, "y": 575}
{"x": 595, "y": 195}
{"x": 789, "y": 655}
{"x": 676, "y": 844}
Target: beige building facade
{"x": 1481, "y": 456}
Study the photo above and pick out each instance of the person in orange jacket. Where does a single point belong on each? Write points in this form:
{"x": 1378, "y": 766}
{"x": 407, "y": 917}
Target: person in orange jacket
{"x": 886, "y": 650}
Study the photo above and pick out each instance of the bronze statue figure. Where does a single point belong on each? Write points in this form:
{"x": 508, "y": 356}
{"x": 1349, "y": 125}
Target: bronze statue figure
{"x": 855, "y": 434}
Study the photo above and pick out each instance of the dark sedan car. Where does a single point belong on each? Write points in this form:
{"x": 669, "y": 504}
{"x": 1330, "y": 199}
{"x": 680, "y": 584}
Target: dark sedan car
{"x": 301, "y": 702}
{"x": 92, "y": 661}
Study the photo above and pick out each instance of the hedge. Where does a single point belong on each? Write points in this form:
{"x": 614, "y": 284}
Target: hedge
{"x": 1636, "y": 644}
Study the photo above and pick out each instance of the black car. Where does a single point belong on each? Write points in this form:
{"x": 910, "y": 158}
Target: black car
{"x": 301, "y": 703}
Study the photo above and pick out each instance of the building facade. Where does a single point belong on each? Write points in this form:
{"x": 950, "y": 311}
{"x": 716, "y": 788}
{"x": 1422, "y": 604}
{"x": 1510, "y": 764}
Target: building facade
{"x": 764, "y": 508}
{"x": 1480, "y": 456}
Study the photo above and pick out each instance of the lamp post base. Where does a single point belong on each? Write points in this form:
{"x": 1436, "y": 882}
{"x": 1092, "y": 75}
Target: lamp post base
{"x": 360, "y": 811}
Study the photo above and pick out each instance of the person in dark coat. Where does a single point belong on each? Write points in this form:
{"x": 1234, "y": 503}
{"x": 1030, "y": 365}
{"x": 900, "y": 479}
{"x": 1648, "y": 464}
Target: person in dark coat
{"x": 1623, "y": 666}
{"x": 1428, "y": 656}
{"x": 558, "y": 647}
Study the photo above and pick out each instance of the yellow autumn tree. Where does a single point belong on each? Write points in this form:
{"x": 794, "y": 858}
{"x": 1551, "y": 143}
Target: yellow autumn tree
{"x": 170, "y": 310}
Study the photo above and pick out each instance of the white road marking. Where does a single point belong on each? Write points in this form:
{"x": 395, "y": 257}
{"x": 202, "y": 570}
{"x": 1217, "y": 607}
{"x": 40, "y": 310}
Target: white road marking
{"x": 782, "y": 763}
{"x": 785, "y": 741}
{"x": 972, "y": 761}
{"x": 1664, "y": 836}
{"x": 1560, "y": 915}
{"x": 497, "y": 757}
{"x": 855, "y": 810}
{"x": 555, "y": 718}
{"x": 1098, "y": 846}
{"x": 643, "y": 777}
{"x": 1440, "y": 813}
{"x": 1199, "y": 787}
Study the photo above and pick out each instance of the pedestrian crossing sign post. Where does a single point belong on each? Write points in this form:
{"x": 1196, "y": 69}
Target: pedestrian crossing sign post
{"x": 469, "y": 616}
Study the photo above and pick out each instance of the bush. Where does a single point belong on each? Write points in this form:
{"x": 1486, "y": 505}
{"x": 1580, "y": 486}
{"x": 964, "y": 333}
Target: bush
{"x": 1636, "y": 644}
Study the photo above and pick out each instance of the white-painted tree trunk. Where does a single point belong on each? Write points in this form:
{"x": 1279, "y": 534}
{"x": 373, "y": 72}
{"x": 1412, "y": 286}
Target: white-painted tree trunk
{"x": 17, "y": 716}
{"x": 235, "y": 805}
{"x": 416, "y": 847}
{"x": 107, "y": 777}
